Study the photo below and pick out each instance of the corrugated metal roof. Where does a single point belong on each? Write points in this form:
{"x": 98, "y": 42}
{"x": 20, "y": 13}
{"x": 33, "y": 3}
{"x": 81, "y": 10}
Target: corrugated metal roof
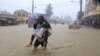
{"x": 7, "y": 16}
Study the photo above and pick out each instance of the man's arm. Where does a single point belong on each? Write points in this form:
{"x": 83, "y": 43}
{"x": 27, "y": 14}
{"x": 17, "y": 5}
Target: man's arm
{"x": 34, "y": 26}
{"x": 47, "y": 24}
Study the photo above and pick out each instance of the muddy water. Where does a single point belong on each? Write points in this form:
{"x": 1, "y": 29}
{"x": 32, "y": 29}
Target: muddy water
{"x": 63, "y": 42}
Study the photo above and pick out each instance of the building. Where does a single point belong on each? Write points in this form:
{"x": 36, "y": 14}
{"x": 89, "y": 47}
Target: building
{"x": 92, "y": 13}
{"x": 7, "y": 19}
{"x": 21, "y": 16}
{"x": 89, "y": 7}
{"x": 4, "y": 12}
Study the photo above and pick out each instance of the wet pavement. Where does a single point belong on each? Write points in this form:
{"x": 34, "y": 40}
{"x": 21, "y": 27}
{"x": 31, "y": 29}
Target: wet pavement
{"x": 62, "y": 42}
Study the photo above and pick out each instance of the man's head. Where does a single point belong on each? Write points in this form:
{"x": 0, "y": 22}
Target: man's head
{"x": 40, "y": 19}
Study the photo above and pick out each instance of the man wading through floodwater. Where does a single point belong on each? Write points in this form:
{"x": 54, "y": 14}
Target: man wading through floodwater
{"x": 41, "y": 24}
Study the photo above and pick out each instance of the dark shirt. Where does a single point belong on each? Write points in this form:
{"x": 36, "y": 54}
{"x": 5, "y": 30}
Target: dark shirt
{"x": 45, "y": 24}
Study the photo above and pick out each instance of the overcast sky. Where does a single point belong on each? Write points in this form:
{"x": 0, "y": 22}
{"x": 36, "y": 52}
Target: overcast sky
{"x": 60, "y": 7}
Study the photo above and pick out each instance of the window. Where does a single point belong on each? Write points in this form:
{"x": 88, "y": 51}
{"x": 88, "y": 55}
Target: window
{"x": 19, "y": 14}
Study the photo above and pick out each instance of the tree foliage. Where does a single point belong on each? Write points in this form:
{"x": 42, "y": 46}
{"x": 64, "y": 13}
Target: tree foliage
{"x": 49, "y": 11}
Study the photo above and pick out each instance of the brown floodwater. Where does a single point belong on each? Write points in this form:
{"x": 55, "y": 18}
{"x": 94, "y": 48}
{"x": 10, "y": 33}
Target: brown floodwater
{"x": 62, "y": 42}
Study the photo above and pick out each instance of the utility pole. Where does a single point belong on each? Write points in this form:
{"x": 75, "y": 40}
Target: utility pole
{"x": 32, "y": 6}
{"x": 81, "y": 3}
{"x": 81, "y": 12}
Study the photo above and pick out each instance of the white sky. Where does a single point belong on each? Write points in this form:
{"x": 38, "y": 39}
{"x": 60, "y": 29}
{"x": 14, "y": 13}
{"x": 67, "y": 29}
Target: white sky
{"x": 60, "y": 7}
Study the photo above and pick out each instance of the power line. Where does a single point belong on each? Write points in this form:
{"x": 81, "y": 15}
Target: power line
{"x": 62, "y": 6}
{"x": 58, "y": 6}
{"x": 60, "y": 3}
{"x": 66, "y": 5}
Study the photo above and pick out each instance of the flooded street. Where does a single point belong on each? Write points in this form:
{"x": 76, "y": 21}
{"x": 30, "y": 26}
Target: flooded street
{"x": 62, "y": 42}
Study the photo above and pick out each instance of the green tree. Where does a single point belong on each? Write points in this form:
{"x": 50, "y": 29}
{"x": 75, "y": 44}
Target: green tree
{"x": 49, "y": 11}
